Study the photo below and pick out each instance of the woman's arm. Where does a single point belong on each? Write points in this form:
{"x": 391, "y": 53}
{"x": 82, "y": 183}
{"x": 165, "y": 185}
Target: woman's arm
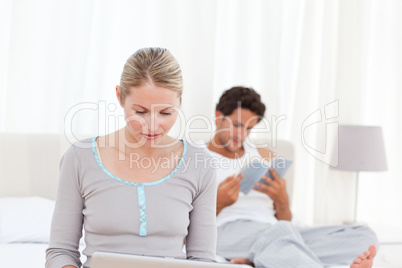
{"x": 66, "y": 229}
{"x": 201, "y": 238}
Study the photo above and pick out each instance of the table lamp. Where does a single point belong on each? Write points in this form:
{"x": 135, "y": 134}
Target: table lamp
{"x": 360, "y": 148}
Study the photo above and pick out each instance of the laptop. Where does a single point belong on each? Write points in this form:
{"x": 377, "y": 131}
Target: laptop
{"x": 118, "y": 260}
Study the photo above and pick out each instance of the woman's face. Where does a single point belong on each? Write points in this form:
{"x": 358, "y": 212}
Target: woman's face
{"x": 150, "y": 112}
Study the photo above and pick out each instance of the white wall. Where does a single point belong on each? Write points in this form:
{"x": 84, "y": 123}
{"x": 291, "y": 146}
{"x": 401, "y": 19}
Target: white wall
{"x": 59, "y": 57}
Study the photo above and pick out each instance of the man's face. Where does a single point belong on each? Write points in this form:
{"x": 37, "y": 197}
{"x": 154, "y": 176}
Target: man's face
{"x": 233, "y": 129}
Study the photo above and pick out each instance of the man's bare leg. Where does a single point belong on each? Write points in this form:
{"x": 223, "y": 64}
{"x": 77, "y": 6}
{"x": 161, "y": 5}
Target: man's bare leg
{"x": 366, "y": 259}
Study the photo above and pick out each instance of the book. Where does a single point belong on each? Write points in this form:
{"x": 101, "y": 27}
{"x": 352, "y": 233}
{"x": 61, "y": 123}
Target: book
{"x": 255, "y": 169}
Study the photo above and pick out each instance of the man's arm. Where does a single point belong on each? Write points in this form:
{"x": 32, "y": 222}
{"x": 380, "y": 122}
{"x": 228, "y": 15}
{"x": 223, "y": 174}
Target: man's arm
{"x": 276, "y": 190}
{"x": 228, "y": 192}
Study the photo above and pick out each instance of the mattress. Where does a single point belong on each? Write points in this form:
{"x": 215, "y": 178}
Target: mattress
{"x": 22, "y": 255}
{"x": 25, "y": 225}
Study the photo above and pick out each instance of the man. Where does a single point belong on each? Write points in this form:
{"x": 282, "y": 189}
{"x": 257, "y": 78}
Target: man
{"x": 256, "y": 228}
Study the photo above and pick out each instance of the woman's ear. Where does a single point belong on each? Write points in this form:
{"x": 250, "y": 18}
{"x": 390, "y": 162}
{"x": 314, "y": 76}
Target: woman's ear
{"x": 118, "y": 95}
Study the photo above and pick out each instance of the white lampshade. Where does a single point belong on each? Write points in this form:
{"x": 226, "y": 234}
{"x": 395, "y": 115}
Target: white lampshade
{"x": 361, "y": 148}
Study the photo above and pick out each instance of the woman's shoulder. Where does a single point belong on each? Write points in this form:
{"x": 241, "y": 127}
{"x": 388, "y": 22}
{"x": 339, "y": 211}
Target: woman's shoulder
{"x": 85, "y": 143}
{"x": 80, "y": 147}
{"x": 197, "y": 147}
{"x": 198, "y": 156}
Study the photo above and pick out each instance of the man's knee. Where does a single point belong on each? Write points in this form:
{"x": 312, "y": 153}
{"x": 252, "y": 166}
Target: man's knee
{"x": 286, "y": 225}
{"x": 284, "y": 228}
{"x": 370, "y": 235}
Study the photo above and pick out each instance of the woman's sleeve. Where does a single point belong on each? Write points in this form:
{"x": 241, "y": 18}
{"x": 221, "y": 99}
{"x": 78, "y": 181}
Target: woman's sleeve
{"x": 66, "y": 229}
{"x": 201, "y": 238}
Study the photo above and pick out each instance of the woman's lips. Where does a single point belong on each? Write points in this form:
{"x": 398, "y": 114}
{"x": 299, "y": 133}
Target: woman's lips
{"x": 150, "y": 136}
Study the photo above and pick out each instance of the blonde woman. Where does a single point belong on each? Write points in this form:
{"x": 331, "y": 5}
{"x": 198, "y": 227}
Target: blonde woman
{"x": 137, "y": 190}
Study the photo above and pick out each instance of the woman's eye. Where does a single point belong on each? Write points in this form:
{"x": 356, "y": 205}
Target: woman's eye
{"x": 139, "y": 112}
{"x": 166, "y": 114}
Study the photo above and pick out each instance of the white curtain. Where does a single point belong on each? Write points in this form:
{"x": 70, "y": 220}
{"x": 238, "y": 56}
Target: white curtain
{"x": 341, "y": 60}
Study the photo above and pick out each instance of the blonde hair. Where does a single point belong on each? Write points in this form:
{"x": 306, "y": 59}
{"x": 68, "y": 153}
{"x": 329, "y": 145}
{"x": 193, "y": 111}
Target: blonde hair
{"x": 151, "y": 65}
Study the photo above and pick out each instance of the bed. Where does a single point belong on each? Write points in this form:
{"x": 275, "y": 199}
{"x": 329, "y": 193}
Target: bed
{"x": 28, "y": 183}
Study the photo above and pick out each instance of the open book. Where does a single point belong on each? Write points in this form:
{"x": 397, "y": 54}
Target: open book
{"x": 256, "y": 168}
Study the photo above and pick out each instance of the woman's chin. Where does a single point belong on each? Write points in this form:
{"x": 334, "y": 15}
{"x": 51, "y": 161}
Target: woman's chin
{"x": 153, "y": 141}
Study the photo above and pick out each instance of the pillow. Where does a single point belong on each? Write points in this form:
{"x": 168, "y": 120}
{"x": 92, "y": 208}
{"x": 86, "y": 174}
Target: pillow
{"x": 25, "y": 219}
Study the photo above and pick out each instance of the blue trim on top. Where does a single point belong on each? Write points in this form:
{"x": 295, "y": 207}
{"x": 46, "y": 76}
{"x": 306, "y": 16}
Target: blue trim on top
{"x": 138, "y": 183}
{"x": 142, "y": 210}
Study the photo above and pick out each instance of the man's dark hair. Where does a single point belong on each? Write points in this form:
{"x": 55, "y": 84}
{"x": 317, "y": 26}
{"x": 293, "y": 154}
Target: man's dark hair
{"x": 241, "y": 97}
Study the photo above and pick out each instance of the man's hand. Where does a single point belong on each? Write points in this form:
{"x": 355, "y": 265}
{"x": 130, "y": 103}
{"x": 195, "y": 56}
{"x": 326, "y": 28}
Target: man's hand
{"x": 276, "y": 190}
{"x": 228, "y": 192}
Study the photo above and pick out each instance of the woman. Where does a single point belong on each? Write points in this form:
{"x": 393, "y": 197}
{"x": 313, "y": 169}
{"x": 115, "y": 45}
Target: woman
{"x": 137, "y": 190}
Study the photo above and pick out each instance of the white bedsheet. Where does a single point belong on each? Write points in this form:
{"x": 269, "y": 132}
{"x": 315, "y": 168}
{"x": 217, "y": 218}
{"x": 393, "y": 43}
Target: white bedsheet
{"x": 22, "y": 255}
{"x": 32, "y": 255}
